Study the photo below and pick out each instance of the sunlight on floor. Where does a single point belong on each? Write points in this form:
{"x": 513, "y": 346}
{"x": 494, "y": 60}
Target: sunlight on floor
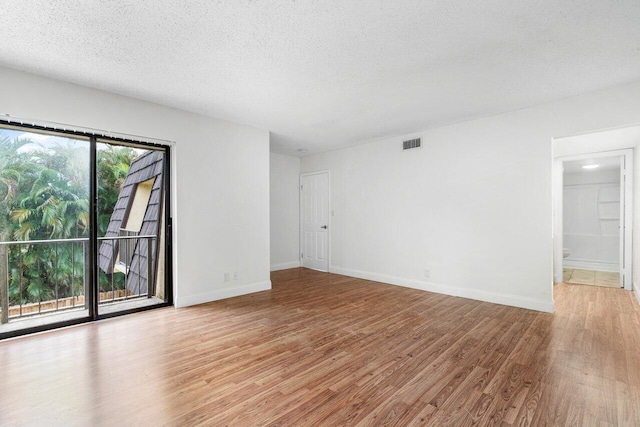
{"x": 590, "y": 277}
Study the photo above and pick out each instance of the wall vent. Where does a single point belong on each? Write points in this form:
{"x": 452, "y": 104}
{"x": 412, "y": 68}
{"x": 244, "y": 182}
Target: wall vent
{"x": 412, "y": 143}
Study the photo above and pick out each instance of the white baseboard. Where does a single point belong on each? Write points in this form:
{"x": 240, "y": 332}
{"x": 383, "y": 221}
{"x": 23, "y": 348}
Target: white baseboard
{"x": 492, "y": 297}
{"x": 285, "y": 265}
{"x": 590, "y": 265}
{"x": 219, "y": 294}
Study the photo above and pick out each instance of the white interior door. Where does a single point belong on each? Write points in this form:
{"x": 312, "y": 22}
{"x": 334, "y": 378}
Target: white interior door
{"x": 314, "y": 220}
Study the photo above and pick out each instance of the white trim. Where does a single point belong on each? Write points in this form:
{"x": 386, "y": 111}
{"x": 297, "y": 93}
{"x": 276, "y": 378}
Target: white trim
{"x": 628, "y": 174}
{"x": 475, "y": 294}
{"x": 557, "y": 218}
{"x": 603, "y": 130}
{"x": 219, "y": 294}
{"x": 591, "y": 265}
{"x": 285, "y": 265}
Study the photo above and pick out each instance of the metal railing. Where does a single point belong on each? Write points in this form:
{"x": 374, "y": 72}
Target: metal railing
{"x": 127, "y": 247}
{"x": 46, "y": 276}
{"x": 137, "y": 280}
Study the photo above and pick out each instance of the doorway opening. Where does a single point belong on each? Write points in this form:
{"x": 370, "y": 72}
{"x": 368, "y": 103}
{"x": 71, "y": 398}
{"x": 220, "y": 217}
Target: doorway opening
{"x": 593, "y": 212}
{"x": 593, "y": 208}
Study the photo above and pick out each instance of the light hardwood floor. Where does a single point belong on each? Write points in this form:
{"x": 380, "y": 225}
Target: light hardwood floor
{"x": 323, "y": 349}
{"x": 591, "y": 277}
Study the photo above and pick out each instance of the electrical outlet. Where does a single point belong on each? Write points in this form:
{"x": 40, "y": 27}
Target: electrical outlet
{"x": 226, "y": 277}
{"x": 235, "y": 275}
{"x": 427, "y": 273}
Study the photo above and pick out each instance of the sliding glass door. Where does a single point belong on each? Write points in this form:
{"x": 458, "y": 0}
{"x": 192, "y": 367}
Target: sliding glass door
{"x": 83, "y": 228}
{"x": 131, "y": 238}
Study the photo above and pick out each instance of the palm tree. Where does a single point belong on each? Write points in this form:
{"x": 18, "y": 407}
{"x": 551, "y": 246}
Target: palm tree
{"x": 11, "y": 166}
{"x": 56, "y": 206}
{"x": 51, "y": 210}
{"x": 113, "y": 166}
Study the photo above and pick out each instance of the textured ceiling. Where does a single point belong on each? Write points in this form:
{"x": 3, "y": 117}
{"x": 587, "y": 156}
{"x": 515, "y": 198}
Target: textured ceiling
{"x": 327, "y": 74}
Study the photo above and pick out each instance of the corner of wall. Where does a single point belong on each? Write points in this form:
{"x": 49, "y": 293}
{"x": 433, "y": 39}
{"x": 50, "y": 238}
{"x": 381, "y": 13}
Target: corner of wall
{"x": 284, "y": 218}
{"x": 220, "y": 294}
{"x": 456, "y": 291}
{"x": 285, "y": 265}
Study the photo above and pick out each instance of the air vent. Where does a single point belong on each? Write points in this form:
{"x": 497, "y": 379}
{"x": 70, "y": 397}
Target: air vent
{"x": 412, "y": 143}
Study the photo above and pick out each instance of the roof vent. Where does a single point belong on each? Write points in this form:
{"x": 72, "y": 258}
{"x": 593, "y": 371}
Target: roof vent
{"x": 412, "y": 143}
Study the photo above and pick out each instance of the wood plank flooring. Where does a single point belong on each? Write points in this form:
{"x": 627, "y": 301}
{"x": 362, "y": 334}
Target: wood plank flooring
{"x": 325, "y": 350}
{"x": 591, "y": 277}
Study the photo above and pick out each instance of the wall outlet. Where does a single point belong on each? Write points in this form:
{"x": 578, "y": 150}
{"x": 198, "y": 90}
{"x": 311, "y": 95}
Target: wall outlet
{"x": 427, "y": 273}
{"x": 226, "y": 277}
{"x": 235, "y": 275}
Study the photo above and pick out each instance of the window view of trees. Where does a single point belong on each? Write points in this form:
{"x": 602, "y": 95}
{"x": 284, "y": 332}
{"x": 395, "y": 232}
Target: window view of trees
{"x": 44, "y": 194}
{"x": 113, "y": 166}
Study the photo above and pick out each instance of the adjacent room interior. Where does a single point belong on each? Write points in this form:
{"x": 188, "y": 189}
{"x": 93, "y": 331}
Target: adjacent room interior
{"x": 300, "y": 213}
{"x": 591, "y": 221}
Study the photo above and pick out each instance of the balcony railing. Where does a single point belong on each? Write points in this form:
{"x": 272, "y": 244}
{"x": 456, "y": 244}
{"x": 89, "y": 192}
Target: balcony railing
{"x": 39, "y": 277}
{"x": 127, "y": 247}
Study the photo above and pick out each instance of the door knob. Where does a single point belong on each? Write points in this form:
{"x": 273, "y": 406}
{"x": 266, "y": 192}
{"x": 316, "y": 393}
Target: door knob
{"x": 324, "y": 226}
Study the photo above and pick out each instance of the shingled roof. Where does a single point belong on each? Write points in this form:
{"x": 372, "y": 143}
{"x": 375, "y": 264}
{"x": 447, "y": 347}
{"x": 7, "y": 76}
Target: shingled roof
{"x": 143, "y": 168}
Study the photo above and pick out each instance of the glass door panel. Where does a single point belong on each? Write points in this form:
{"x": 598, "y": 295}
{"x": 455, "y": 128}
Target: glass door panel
{"x": 45, "y": 263}
{"x": 131, "y": 224}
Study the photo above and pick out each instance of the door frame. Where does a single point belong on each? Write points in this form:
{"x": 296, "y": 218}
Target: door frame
{"x": 166, "y": 199}
{"x": 92, "y": 137}
{"x": 329, "y": 214}
{"x": 626, "y": 230}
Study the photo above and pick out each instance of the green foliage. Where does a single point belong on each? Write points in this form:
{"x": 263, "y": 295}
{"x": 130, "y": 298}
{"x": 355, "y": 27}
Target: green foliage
{"x": 51, "y": 209}
{"x": 40, "y": 272}
{"x": 44, "y": 194}
{"x": 13, "y": 166}
{"x": 113, "y": 166}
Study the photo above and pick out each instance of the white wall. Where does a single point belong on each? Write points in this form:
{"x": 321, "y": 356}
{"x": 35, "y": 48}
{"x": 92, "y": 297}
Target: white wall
{"x": 592, "y": 177}
{"x": 285, "y": 211}
{"x": 474, "y": 206}
{"x": 220, "y": 179}
{"x": 591, "y": 201}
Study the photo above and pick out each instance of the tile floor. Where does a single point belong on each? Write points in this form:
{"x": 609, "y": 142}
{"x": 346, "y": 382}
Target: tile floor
{"x": 590, "y": 277}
